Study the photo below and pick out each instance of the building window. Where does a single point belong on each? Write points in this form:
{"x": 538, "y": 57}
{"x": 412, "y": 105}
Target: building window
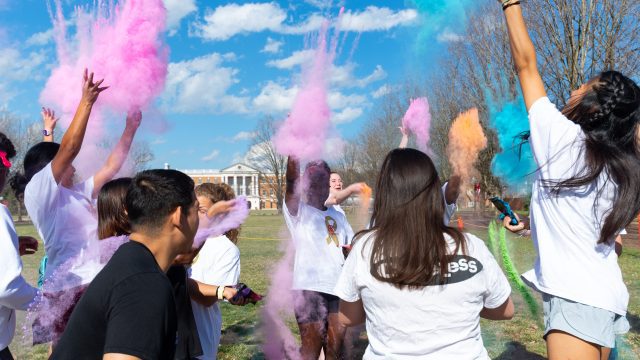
{"x": 271, "y": 192}
{"x": 264, "y": 192}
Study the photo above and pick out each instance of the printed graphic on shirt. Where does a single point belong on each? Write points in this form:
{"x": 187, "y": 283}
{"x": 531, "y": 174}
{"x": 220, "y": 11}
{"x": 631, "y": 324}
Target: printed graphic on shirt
{"x": 459, "y": 269}
{"x": 332, "y": 227}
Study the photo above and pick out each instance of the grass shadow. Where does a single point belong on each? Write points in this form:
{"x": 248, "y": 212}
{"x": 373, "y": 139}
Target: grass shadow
{"x": 515, "y": 350}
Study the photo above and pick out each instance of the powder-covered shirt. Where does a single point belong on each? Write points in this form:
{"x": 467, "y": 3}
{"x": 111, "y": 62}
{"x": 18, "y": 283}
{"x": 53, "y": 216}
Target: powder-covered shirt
{"x": 67, "y": 223}
{"x": 217, "y": 263}
{"x": 15, "y": 292}
{"x": 570, "y": 263}
{"x": 318, "y": 237}
{"x": 433, "y": 322}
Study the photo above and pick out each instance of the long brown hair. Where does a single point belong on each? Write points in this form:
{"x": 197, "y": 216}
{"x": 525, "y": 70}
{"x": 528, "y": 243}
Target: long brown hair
{"x": 609, "y": 115}
{"x": 215, "y": 193}
{"x": 112, "y": 217}
{"x": 409, "y": 246}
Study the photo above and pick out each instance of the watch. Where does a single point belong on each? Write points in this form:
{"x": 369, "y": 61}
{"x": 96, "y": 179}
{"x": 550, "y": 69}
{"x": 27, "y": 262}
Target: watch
{"x": 46, "y": 132}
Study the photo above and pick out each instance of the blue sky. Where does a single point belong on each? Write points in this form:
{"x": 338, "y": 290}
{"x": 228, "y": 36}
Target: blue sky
{"x": 241, "y": 60}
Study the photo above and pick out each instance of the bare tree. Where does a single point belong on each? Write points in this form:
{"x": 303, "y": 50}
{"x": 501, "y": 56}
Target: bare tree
{"x": 263, "y": 156}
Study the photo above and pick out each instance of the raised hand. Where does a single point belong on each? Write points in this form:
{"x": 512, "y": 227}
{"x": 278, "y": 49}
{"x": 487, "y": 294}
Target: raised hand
{"x": 49, "y": 119}
{"x": 405, "y": 137}
{"x": 91, "y": 90}
{"x": 220, "y": 207}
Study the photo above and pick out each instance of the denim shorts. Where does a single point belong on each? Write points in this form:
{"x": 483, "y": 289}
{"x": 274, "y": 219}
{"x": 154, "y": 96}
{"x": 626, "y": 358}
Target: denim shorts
{"x": 588, "y": 323}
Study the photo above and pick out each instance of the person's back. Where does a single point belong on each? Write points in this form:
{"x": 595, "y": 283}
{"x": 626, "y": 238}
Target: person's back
{"x": 433, "y": 322}
{"x": 420, "y": 285}
{"x": 130, "y": 294}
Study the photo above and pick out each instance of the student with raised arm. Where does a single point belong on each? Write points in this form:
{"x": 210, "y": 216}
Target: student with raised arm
{"x": 337, "y": 195}
{"x": 15, "y": 292}
{"x": 319, "y": 232}
{"x": 64, "y": 213}
{"x": 49, "y": 121}
{"x": 450, "y": 189}
{"x": 587, "y": 188}
{"x": 421, "y": 286}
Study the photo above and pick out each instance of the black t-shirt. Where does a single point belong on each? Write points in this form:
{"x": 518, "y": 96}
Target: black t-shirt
{"x": 128, "y": 308}
{"x": 188, "y": 342}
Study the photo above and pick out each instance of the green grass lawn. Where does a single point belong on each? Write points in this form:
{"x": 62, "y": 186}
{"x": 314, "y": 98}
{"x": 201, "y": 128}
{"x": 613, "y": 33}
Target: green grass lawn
{"x": 519, "y": 338}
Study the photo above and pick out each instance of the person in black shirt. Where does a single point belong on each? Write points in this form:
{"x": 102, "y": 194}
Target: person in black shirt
{"x": 129, "y": 310}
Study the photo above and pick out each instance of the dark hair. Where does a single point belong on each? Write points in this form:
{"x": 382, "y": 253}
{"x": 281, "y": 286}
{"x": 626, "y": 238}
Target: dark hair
{"x": 608, "y": 114}
{"x": 409, "y": 246}
{"x": 7, "y": 146}
{"x": 35, "y": 160}
{"x": 215, "y": 193}
{"x": 112, "y": 217}
{"x": 155, "y": 194}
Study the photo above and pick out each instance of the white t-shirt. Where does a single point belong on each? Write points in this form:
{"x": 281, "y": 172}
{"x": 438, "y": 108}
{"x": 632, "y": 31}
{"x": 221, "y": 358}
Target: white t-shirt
{"x": 15, "y": 292}
{"x": 570, "y": 263}
{"x": 217, "y": 263}
{"x": 67, "y": 223}
{"x": 449, "y": 209}
{"x": 435, "y": 322}
{"x": 318, "y": 237}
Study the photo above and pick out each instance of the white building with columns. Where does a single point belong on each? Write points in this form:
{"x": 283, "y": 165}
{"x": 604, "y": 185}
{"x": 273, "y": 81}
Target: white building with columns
{"x": 244, "y": 180}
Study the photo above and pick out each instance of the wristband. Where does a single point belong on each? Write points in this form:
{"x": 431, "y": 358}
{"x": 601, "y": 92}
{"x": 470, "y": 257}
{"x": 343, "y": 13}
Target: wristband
{"x": 220, "y": 292}
{"x": 507, "y": 4}
{"x": 46, "y": 132}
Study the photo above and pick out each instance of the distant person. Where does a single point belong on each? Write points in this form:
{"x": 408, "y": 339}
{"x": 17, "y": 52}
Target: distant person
{"x": 421, "y": 286}
{"x": 337, "y": 195}
{"x": 129, "y": 308}
{"x": 15, "y": 292}
{"x": 319, "y": 233}
{"x": 587, "y": 189}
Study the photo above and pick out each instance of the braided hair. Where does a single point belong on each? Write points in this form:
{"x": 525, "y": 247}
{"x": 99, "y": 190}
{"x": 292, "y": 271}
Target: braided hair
{"x": 609, "y": 115}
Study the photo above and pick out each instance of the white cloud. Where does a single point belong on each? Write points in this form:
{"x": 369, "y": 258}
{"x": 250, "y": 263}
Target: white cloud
{"x": 244, "y": 135}
{"x": 228, "y": 20}
{"x": 176, "y": 11}
{"x": 275, "y": 98}
{"x": 374, "y": 18}
{"x": 201, "y": 85}
{"x": 297, "y": 58}
{"x": 272, "y": 46}
{"x": 214, "y": 154}
{"x": 342, "y": 76}
{"x": 449, "y": 36}
{"x": 347, "y": 114}
{"x": 338, "y": 100}
{"x": 16, "y": 66}
{"x": 382, "y": 91}
{"x": 158, "y": 141}
{"x": 40, "y": 38}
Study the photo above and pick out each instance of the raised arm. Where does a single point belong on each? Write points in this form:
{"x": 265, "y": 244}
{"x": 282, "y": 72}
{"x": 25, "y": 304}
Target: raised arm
{"x": 73, "y": 137}
{"x": 405, "y": 137}
{"x": 524, "y": 54}
{"x": 291, "y": 197}
{"x": 49, "y": 122}
{"x": 118, "y": 154}
{"x": 337, "y": 197}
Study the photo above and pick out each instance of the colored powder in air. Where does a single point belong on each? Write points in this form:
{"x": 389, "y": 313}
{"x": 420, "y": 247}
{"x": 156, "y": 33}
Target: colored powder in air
{"x": 121, "y": 43}
{"x": 305, "y": 130}
{"x": 440, "y": 18}
{"x": 515, "y": 162}
{"x": 417, "y": 120}
{"x": 466, "y": 140}
{"x": 514, "y": 276}
{"x": 222, "y": 223}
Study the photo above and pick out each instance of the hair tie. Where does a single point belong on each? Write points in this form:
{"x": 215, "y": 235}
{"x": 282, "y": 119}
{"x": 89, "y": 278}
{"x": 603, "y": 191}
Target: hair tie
{"x": 5, "y": 161}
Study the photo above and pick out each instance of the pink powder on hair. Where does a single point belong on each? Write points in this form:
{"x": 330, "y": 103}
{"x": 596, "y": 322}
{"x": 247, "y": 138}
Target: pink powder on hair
{"x": 222, "y": 223}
